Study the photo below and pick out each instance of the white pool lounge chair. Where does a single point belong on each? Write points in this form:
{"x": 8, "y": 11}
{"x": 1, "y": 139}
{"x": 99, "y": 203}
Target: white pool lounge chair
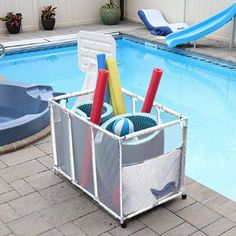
{"x": 157, "y": 24}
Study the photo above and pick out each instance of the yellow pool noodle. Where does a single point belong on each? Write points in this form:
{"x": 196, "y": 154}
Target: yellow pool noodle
{"x": 116, "y": 95}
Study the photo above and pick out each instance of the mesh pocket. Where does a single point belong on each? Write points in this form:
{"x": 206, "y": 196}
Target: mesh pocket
{"x": 146, "y": 183}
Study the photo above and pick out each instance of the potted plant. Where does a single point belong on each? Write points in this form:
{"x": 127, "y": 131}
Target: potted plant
{"x": 48, "y": 17}
{"x": 110, "y": 13}
{"x": 13, "y": 22}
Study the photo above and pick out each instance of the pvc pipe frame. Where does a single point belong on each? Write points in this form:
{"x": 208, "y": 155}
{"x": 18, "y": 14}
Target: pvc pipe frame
{"x": 126, "y": 92}
{"x": 232, "y": 36}
{"x": 180, "y": 120}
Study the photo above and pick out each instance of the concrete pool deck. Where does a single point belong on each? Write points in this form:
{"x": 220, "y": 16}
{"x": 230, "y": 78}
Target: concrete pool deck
{"x": 206, "y": 47}
{"x": 34, "y": 201}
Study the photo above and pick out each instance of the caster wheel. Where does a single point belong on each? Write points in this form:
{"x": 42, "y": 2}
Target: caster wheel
{"x": 184, "y": 196}
{"x": 123, "y": 225}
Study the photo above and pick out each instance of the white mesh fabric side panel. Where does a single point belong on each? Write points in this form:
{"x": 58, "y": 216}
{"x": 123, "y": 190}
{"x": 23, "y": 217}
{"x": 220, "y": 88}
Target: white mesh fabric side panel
{"x": 173, "y": 138}
{"x": 82, "y": 149}
{"x": 108, "y": 170}
{"x": 156, "y": 173}
{"x": 62, "y": 140}
{"x": 146, "y": 147}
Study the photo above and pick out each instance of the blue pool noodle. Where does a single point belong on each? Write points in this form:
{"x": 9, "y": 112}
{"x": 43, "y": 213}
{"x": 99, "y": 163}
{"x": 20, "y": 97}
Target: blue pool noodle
{"x": 101, "y": 59}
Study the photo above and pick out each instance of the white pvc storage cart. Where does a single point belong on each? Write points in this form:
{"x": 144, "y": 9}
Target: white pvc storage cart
{"x": 127, "y": 175}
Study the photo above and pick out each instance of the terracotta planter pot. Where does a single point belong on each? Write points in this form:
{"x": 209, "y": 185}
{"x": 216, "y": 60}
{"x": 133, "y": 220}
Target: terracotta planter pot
{"x": 13, "y": 29}
{"x": 48, "y": 24}
{"x": 110, "y": 16}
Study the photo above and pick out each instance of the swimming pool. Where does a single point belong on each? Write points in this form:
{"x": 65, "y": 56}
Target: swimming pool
{"x": 204, "y": 92}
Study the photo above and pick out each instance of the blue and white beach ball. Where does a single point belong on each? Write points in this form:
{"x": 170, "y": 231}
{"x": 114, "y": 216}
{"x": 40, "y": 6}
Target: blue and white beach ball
{"x": 122, "y": 127}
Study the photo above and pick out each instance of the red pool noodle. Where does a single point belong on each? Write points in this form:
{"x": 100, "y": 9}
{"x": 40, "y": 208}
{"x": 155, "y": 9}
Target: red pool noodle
{"x": 116, "y": 197}
{"x": 95, "y": 117}
{"x": 152, "y": 90}
{"x": 99, "y": 95}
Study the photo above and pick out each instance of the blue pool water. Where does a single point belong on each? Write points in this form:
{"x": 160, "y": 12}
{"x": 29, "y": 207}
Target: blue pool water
{"x": 204, "y": 92}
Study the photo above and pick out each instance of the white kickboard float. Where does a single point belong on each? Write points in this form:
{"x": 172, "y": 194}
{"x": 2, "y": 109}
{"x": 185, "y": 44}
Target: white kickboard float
{"x": 90, "y": 44}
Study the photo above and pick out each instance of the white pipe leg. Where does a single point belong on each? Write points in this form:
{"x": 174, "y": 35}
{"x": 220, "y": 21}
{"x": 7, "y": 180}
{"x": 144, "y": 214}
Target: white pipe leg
{"x": 232, "y": 38}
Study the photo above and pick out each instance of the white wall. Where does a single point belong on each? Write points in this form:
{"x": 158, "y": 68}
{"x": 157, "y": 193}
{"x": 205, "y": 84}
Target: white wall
{"x": 172, "y": 9}
{"x": 74, "y": 12}
{"x": 26, "y": 7}
{"x": 69, "y": 12}
{"x": 190, "y": 11}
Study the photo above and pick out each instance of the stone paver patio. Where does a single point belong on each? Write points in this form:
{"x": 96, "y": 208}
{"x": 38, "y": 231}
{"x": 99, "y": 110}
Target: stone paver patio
{"x": 34, "y": 201}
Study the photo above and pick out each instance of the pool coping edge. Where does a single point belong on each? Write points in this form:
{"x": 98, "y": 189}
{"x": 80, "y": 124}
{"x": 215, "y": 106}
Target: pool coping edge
{"x": 157, "y": 43}
{"x": 25, "y": 142}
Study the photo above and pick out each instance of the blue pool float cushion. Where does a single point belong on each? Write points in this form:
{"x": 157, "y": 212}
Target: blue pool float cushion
{"x": 161, "y": 30}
